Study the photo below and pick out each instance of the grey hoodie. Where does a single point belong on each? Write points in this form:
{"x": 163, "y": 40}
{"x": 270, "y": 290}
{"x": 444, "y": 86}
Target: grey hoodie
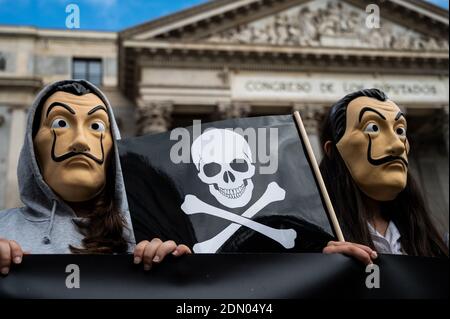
{"x": 45, "y": 225}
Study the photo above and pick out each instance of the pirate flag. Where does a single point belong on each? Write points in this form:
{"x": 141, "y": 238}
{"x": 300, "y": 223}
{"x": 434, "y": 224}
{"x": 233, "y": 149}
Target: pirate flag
{"x": 240, "y": 185}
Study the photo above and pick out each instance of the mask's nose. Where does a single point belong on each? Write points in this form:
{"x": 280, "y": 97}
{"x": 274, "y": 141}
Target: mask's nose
{"x": 80, "y": 144}
{"x": 397, "y": 147}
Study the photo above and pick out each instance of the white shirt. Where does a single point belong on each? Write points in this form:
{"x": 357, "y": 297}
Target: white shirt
{"x": 389, "y": 243}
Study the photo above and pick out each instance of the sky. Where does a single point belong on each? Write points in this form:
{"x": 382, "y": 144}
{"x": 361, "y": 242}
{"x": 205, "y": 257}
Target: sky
{"x": 106, "y": 15}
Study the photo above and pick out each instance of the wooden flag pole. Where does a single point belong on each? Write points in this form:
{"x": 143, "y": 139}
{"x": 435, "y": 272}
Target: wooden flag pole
{"x": 323, "y": 189}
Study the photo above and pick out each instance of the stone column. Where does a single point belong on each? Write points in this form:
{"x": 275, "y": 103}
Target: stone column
{"x": 16, "y": 138}
{"x": 227, "y": 110}
{"x": 445, "y": 126}
{"x": 312, "y": 117}
{"x": 154, "y": 117}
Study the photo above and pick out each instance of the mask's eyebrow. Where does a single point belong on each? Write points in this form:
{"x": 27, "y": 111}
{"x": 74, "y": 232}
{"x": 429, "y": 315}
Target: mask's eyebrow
{"x": 399, "y": 115}
{"x": 369, "y": 109}
{"x": 54, "y": 104}
{"x": 95, "y": 109}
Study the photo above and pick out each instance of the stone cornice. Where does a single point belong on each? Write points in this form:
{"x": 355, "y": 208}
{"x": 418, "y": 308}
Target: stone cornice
{"x": 425, "y": 8}
{"x": 33, "y": 32}
{"x": 184, "y": 17}
{"x": 169, "y": 47}
{"x": 28, "y": 83}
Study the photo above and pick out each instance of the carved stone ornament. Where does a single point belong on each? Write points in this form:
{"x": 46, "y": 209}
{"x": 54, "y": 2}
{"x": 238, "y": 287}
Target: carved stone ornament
{"x": 329, "y": 24}
{"x": 154, "y": 117}
{"x": 226, "y": 110}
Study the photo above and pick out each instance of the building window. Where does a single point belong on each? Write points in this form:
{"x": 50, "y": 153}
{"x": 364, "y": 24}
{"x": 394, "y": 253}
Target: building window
{"x": 2, "y": 62}
{"x": 88, "y": 69}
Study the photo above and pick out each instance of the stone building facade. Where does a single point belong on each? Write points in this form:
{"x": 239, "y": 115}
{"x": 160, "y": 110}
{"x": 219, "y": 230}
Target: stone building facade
{"x": 227, "y": 59}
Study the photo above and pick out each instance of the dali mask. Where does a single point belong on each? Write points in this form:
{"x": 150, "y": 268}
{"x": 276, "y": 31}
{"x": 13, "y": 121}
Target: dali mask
{"x": 73, "y": 145}
{"x": 374, "y": 147}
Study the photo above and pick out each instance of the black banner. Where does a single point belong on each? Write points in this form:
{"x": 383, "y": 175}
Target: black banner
{"x": 225, "y": 276}
{"x": 240, "y": 185}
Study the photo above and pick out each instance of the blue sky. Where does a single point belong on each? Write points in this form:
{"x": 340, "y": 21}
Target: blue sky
{"x": 111, "y": 15}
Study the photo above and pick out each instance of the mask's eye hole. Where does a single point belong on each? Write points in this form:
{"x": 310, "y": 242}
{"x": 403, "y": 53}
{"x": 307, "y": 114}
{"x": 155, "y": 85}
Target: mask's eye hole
{"x": 60, "y": 123}
{"x": 97, "y": 126}
{"x": 372, "y": 128}
{"x": 401, "y": 131}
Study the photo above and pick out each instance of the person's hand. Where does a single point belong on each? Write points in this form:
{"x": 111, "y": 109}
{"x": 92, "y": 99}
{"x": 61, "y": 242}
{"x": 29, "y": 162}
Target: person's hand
{"x": 10, "y": 252}
{"x": 155, "y": 250}
{"x": 362, "y": 253}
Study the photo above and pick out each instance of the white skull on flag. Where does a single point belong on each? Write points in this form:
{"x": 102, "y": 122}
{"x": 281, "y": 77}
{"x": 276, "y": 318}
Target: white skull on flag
{"x": 224, "y": 162}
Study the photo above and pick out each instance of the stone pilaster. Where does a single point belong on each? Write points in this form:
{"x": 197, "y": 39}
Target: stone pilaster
{"x": 312, "y": 117}
{"x": 16, "y": 137}
{"x": 227, "y": 110}
{"x": 445, "y": 125}
{"x": 154, "y": 117}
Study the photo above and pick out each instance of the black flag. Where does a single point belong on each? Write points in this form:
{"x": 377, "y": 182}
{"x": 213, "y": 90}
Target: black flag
{"x": 242, "y": 185}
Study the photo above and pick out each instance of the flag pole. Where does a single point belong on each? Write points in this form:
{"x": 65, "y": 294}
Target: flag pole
{"x": 316, "y": 170}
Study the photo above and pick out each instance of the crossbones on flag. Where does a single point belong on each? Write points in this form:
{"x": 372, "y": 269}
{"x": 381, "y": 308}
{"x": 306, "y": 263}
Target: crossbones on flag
{"x": 241, "y": 185}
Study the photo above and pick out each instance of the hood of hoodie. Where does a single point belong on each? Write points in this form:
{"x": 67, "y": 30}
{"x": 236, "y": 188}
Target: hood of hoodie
{"x": 40, "y": 200}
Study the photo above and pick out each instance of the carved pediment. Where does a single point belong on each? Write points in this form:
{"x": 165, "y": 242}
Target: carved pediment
{"x": 328, "y": 23}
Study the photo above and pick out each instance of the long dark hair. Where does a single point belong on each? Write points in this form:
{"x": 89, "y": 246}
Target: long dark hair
{"x": 103, "y": 228}
{"x": 419, "y": 237}
{"x": 104, "y": 225}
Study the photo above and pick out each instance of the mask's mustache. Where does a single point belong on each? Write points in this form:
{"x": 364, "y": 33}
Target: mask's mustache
{"x": 71, "y": 154}
{"x": 383, "y": 160}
